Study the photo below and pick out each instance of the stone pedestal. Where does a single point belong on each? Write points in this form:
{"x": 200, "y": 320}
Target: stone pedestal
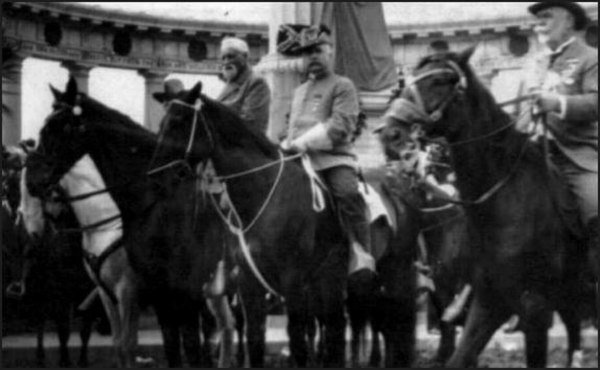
{"x": 283, "y": 73}
{"x": 11, "y": 103}
{"x": 153, "y": 110}
{"x": 81, "y": 73}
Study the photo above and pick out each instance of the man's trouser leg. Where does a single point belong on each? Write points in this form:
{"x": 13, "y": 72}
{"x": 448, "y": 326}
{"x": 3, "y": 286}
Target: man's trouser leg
{"x": 584, "y": 185}
{"x": 343, "y": 184}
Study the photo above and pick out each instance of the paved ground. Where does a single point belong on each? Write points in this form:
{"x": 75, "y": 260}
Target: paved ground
{"x": 277, "y": 337}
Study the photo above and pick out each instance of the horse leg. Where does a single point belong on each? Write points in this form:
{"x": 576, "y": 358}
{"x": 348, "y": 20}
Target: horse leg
{"x": 255, "y": 306}
{"x": 190, "y": 332}
{"x": 219, "y": 306}
{"x": 167, "y": 319}
{"x": 359, "y": 317}
{"x": 240, "y": 323}
{"x": 87, "y": 322}
{"x": 334, "y": 320}
{"x": 129, "y": 312}
{"x": 375, "y": 359}
{"x": 571, "y": 319}
{"x": 209, "y": 326}
{"x": 63, "y": 324}
{"x": 115, "y": 326}
{"x": 484, "y": 318}
{"x": 447, "y": 330}
{"x": 40, "y": 353}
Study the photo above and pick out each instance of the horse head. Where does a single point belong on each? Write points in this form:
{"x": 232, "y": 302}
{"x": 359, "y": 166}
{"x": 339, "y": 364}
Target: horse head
{"x": 63, "y": 140}
{"x": 435, "y": 96}
{"x": 185, "y": 133}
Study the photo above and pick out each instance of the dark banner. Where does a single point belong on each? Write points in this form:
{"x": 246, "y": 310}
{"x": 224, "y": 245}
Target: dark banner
{"x": 362, "y": 43}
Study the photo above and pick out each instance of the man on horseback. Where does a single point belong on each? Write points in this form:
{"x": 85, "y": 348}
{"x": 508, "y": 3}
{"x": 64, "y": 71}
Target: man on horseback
{"x": 322, "y": 121}
{"x": 246, "y": 93}
{"x": 565, "y": 80}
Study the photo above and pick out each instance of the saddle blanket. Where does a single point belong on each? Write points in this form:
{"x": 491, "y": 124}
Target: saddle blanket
{"x": 375, "y": 204}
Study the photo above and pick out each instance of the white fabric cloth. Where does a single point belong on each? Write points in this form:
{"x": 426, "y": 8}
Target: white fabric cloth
{"x": 375, "y": 204}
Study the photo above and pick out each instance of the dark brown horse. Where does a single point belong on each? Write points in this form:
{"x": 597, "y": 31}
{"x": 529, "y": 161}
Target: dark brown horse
{"x": 274, "y": 212}
{"x": 171, "y": 257}
{"x": 526, "y": 260}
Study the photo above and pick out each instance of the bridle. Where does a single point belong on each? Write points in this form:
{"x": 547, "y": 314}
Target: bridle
{"x": 460, "y": 86}
{"x": 458, "y": 89}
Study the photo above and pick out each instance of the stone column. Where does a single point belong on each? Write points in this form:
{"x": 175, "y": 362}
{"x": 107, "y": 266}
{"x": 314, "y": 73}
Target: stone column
{"x": 283, "y": 73}
{"x": 11, "y": 102}
{"x": 153, "y": 111}
{"x": 81, "y": 73}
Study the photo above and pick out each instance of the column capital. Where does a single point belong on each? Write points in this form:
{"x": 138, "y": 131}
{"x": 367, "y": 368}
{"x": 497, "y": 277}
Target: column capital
{"x": 12, "y": 68}
{"x": 77, "y": 69}
{"x": 153, "y": 75}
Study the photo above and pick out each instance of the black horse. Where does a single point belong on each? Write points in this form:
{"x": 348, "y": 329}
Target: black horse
{"x": 526, "y": 260}
{"x": 172, "y": 257}
{"x": 274, "y": 205}
{"x": 297, "y": 251}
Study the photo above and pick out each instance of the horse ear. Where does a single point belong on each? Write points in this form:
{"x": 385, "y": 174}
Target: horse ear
{"x": 466, "y": 55}
{"x": 71, "y": 93}
{"x": 57, "y": 94}
{"x": 195, "y": 92}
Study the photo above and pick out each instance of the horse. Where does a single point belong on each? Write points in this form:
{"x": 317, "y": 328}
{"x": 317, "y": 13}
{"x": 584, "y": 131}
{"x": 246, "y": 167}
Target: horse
{"x": 276, "y": 228}
{"x": 526, "y": 260}
{"x": 52, "y": 281}
{"x": 169, "y": 256}
{"x": 287, "y": 247}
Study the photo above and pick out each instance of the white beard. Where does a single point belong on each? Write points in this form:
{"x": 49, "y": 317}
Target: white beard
{"x": 229, "y": 73}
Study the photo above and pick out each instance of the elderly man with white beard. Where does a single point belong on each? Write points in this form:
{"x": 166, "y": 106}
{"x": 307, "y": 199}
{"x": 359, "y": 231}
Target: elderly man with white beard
{"x": 246, "y": 93}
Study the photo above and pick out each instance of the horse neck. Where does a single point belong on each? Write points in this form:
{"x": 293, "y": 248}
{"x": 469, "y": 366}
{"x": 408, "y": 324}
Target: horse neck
{"x": 123, "y": 163}
{"x": 84, "y": 177}
{"x": 247, "y": 192}
{"x": 480, "y": 160}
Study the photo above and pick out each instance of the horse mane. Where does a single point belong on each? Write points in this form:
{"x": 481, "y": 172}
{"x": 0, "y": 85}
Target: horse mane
{"x": 124, "y": 143}
{"x": 115, "y": 120}
{"x": 234, "y": 131}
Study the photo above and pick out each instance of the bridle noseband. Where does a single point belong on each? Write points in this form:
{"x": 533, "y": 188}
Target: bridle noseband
{"x": 460, "y": 86}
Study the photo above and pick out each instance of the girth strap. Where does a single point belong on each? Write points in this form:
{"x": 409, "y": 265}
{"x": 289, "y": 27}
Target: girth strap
{"x": 95, "y": 263}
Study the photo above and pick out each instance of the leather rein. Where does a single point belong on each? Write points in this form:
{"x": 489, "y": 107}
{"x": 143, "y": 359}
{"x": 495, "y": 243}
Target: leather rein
{"x": 459, "y": 87}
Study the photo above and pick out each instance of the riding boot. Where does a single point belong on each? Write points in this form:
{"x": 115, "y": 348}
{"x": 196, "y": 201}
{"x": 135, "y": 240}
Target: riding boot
{"x": 594, "y": 255}
{"x": 353, "y": 211}
{"x": 593, "y": 244}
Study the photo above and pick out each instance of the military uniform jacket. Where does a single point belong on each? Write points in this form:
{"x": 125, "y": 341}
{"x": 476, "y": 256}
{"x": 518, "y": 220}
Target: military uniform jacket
{"x": 332, "y": 101}
{"x": 249, "y": 96}
{"x": 574, "y": 74}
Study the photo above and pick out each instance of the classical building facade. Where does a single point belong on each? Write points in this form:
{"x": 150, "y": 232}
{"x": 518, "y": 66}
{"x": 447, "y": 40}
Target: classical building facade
{"x": 82, "y": 38}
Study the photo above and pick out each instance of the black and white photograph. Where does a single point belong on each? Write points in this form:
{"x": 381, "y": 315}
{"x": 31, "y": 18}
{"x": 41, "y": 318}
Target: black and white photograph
{"x": 300, "y": 184}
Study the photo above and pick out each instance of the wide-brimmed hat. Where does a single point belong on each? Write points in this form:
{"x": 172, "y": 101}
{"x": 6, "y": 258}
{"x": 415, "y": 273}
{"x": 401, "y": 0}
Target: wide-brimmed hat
{"x": 172, "y": 87}
{"x": 581, "y": 18}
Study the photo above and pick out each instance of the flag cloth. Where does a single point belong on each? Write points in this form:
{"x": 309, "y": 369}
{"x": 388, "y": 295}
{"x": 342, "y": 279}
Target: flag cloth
{"x": 363, "y": 49}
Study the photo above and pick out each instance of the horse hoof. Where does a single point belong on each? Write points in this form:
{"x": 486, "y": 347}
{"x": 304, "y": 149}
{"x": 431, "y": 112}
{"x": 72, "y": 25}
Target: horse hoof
{"x": 145, "y": 361}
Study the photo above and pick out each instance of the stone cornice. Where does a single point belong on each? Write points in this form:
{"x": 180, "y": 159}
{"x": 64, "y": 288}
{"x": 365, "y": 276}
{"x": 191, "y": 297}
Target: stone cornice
{"x": 472, "y": 27}
{"x": 139, "y": 21}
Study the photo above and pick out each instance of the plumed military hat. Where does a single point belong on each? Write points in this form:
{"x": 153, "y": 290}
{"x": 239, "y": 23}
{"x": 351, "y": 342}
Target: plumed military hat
{"x": 294, "y": 39}
{"x": 581, "y": 18}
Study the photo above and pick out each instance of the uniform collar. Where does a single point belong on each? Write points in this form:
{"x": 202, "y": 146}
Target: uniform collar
{"x": 559, "y": 50}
